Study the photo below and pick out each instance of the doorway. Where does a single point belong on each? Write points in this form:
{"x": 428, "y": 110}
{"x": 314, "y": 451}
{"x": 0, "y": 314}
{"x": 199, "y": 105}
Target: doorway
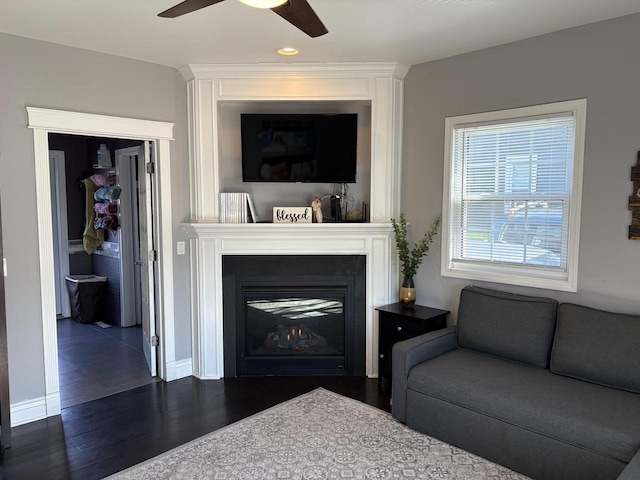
{"x": 159, "y": 134}
{"x": 101, "y": 331}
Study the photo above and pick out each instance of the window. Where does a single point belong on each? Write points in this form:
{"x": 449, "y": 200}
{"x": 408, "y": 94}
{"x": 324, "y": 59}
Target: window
{"x": 512, "y": 189}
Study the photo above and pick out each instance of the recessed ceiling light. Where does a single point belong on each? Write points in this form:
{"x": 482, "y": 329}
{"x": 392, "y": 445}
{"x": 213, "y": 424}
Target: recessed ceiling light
{"x": 288, "y": 51}
{"x": 264, "y": 3}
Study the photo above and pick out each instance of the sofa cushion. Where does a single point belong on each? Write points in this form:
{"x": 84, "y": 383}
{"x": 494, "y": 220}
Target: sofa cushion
{"x": 597, "y": 346}
{"x": 506, "y": 325}
{"x": 600, "y": 419}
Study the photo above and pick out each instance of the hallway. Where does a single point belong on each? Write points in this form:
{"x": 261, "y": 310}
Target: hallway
{"x": 95, "y": 362}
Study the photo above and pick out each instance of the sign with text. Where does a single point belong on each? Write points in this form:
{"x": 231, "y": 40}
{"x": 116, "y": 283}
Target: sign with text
{"x": 292, "y": 215}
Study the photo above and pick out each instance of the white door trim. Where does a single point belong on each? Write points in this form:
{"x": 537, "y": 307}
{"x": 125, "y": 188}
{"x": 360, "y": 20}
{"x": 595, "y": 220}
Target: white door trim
{"x": 147, "y": 245}
{"x": 45, "y": 121}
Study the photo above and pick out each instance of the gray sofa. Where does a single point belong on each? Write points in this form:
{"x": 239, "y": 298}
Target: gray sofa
{"x": 551, "y": 391}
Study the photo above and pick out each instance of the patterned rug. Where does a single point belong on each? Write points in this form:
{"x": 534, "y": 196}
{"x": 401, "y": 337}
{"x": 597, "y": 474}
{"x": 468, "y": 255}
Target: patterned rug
{"x": 319, "y": 435}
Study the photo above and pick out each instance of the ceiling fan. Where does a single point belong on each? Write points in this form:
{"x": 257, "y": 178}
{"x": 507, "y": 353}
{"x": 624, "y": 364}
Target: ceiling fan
{"x": 297, "y": 12}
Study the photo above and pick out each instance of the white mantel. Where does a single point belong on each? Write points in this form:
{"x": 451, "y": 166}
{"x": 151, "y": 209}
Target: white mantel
{"x": 210, "y": 241}
{"x": 209, "y": 87}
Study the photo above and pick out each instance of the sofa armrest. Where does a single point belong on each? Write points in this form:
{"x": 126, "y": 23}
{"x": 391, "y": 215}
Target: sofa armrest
{"x": 409, "y": 353}
{"x": 632, "y": 472}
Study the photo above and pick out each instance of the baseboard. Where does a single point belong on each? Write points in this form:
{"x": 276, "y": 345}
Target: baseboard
{"x": 183, "y": 368}
{"x": 202, "y": 377}
{"x": 28, "y": 411}
{"x": 53, "y": 404}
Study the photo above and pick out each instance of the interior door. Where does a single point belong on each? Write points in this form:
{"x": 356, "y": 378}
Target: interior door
{"x": 126, "y": 165}
{"x": 147, "y": 256}
{"x": 60, "y": 234}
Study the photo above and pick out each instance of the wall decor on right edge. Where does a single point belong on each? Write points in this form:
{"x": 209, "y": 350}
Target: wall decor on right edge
{"x": 634, "y": 202}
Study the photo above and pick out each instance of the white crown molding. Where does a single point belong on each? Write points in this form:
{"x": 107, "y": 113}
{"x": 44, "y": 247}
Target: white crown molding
{"x": 364, "y": 69}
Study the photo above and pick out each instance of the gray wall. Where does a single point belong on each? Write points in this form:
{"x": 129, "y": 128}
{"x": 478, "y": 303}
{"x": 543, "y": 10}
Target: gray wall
{"x": 601, "y": 62}
{"x": 34, "y": 73}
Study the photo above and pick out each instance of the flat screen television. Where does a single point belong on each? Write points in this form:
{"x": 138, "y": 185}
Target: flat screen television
{"x": 318, "y": 148}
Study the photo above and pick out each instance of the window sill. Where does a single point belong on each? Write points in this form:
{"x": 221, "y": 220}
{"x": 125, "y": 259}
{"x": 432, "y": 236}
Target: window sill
{"x": 561, "y": 281}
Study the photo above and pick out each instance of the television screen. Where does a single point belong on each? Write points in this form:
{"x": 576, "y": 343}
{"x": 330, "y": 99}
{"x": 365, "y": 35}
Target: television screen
{"x": 299, "y": 147}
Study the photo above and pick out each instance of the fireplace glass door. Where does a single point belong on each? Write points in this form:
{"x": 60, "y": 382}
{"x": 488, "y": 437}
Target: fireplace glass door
{"x": 289, "y": 331}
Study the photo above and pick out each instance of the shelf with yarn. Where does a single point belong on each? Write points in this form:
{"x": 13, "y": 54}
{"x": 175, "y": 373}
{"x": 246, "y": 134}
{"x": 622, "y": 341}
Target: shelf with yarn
{"x": 106, "y": 197}
{"x": 106, "y": 205}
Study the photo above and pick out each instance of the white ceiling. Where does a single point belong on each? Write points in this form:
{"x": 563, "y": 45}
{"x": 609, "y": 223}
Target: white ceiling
{"x": 405, "y": 31}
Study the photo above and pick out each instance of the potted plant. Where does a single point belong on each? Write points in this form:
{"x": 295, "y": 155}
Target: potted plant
{"x": 410, "y": 260}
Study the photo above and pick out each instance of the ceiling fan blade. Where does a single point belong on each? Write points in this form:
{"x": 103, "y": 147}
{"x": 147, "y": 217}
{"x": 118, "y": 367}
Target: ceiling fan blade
{"x": 187, "y": 6}
{"x": 300, "y": 14}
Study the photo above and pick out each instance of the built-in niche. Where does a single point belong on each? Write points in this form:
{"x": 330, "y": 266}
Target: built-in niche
{"x": 269, "y": 195}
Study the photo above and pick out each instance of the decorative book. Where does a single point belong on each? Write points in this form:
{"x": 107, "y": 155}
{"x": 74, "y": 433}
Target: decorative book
{"x": 237, "y": 208}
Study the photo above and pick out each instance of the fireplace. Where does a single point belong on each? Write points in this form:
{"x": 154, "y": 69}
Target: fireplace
{"x": 294, "y": 315}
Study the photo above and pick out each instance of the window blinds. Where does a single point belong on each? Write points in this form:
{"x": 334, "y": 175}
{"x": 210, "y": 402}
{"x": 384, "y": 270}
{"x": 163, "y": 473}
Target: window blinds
{"x": 511, "y": 191}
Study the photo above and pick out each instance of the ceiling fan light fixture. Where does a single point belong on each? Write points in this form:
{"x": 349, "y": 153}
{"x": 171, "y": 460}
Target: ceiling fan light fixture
{"x": 297, "y": 12}
{"x": 264, "y": 3}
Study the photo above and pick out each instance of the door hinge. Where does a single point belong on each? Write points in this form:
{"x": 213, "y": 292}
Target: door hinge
{"x": 153, "y": 255}
{"x": 150, "y": 167}
{"x": 155, "y": 341}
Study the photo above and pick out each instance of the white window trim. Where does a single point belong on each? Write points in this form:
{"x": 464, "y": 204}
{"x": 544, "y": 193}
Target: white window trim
{"x": 566, "y": 281}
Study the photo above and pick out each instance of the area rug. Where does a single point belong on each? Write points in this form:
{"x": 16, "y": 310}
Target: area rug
{"x": 319, "y": 435}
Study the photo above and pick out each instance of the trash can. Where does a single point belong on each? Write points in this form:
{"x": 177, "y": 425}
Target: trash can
{"x": 85, "y": 296}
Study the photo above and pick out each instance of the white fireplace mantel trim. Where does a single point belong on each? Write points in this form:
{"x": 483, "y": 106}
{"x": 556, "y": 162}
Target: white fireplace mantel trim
{"x": 332, "y": 69}
{"x": 210, "y": 241}
{"x": 208, "y": 88}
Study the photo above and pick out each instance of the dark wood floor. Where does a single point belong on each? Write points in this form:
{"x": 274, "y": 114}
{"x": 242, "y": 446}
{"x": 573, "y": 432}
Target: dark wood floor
{"x": 98, "y": 438}
{"x": 95, "y": 362}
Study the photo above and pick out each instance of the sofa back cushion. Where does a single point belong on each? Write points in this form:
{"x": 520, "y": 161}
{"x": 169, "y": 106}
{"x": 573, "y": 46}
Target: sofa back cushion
{"x": 597, "y": 346}
{"x": 506, "y": 325}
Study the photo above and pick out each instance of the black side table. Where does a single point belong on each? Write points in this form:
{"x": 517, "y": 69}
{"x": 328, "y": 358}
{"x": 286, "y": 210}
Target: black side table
{"x": 397, "y": 322}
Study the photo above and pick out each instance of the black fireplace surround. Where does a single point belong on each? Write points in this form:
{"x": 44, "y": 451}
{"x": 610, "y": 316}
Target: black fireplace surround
{"x": 294, "y": 314}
